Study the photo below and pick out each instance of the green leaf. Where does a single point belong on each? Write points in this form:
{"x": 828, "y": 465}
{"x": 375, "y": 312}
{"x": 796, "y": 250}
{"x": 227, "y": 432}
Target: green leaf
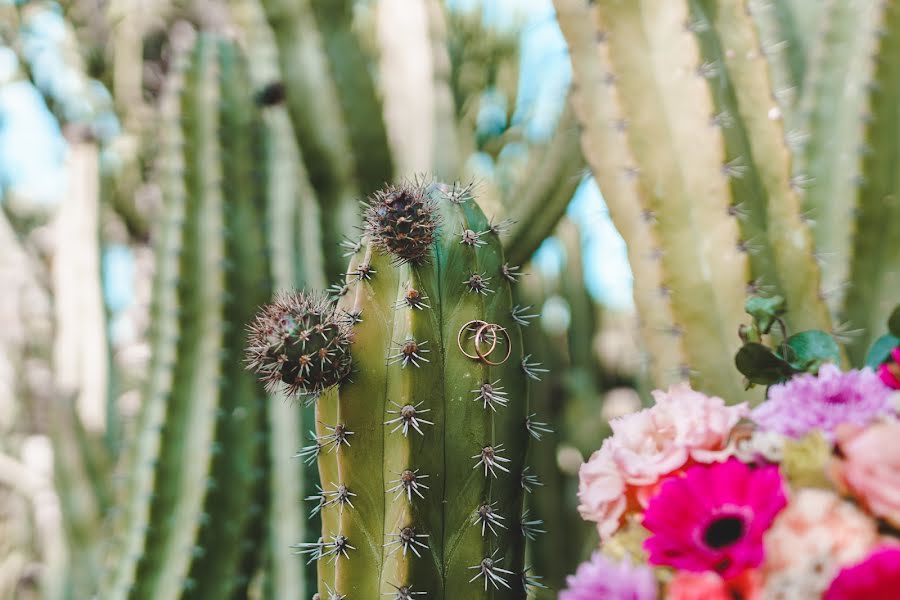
{"x": 881, "y": 349}
{"x": 760, "y": 365}
{"x": 765, "y": 311}
{"x": 894, "y": 322}
{"x": 809, "y": 350}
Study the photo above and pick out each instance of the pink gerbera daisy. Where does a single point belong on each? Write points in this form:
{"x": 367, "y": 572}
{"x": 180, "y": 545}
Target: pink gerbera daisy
{"x": 875, "y": 578}
{"x": 714, "y": 518}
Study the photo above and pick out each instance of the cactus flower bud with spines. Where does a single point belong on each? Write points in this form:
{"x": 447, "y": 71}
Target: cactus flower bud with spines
{"x": 302, "y": 342}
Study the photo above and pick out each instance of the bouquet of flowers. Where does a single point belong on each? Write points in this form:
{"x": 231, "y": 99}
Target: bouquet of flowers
{"x": 796, "y": 498}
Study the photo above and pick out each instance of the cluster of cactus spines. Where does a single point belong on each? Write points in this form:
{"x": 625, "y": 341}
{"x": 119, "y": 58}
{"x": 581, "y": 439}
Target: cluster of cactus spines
{"x": 421, "y": 450}
{"x": 300, "y": 344}
{"x": 671, "y": 205}
{"x": 198, "y": 498}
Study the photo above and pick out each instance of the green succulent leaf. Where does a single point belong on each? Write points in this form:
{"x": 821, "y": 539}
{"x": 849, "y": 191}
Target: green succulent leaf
{"x": 765, "y": 311}
{"x": 809, "y": 350}
{"x": 762, "y": 366}
{"x": 881, "y": 349}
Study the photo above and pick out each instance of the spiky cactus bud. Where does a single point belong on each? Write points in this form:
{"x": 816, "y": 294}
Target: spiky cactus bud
{"x": 300, "y": 342}
{"x": 402, "y": 220}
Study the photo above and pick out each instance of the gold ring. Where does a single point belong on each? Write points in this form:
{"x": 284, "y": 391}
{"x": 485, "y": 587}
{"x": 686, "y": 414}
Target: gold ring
{"x": 483, "y": 356}
{"x": 465, "y": 328}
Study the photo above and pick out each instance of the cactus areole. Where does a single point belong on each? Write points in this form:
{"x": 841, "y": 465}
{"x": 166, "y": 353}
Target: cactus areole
{"x": 419, "y": 369}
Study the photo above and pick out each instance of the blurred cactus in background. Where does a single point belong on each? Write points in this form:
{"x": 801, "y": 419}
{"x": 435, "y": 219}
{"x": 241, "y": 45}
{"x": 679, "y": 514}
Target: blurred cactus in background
{"x": 741, "y": 148}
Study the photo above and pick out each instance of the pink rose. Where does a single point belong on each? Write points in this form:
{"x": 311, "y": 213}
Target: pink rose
{"x": 683, "y": 426}
{"x": 870, "y": 468}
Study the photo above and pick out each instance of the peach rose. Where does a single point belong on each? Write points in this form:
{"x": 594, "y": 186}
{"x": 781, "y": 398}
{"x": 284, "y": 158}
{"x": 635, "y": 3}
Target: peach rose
{"x": 870, "y": 467}
{"x": 650, "y": 444}
{"x": 818, "y": 524}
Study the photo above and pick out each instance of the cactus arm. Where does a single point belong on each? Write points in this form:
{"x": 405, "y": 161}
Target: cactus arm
{"x": 796, "y": 273}
{"x": 231, "y": 505}
{"x": 657, "y": 61}
{"x": 189, "y": 425}
{"x": 314, "y": 107}
{"x": 164, "y": 342}
{"x": 360, "y": 104}
{"x": 446, "y": 139}
{"x": 875, "y": 265}
{"x": 545, "y": 187}
{"x": 407, "y": 83}
{"x": 598, "y": 107}
{"x": 836, "y": 100}
{"x": 788, "y": 233}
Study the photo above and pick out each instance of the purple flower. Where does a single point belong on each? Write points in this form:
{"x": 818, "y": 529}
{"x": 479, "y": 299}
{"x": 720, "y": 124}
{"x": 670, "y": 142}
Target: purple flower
{"x": 602, "y": 578}
{"x": 823, "y": 402}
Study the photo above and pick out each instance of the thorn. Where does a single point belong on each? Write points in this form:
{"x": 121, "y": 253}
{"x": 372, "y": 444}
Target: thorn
{"x": 536, "y": 428}
{"x": 408, "y": 484}
{"x": 491, "y": 459}
{"x": 511, "y": 274}
{"x": 519, "y": 315}
{"x": 487, "y": 516}
{"x": 531, "y": 528}
{"x": 531, "y": 369}
{"x": 478, "y": 284}
{"x": 492, "y": 573}
{"x": 501, "y": 227}
{"x": 408, "y": 418}
{"x": 407, "y": 539}
{"x": 409, "y": 352}
{"x": 340, "y": 495}
{"x": 319, "y": 498}
{"x": 530, "y": 581}
{"x": 351, "y": 247}
{"x": 490, "y": 394}
{"x": 413, "y": 298}
{"x": 529, "y": 481}
{"x": 472, "y": 238}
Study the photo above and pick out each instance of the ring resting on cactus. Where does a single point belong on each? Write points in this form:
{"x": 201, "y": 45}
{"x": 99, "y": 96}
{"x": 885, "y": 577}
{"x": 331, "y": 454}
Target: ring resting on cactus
{"x": 422, "y": 442}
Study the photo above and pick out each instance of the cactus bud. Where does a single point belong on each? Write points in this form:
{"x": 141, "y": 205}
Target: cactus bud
{"x": 401, "y": 220}
{"x": 300, "y": 341}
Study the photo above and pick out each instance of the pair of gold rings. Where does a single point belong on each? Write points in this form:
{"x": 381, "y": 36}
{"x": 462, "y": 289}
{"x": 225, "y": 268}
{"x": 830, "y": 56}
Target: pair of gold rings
{"x": 484, "y": 331}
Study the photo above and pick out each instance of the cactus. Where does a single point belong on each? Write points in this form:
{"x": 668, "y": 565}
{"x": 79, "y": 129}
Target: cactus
{"x": 193, "y": 513}
{"x": 772, "y": 120}
{"x": 422, "y": 449}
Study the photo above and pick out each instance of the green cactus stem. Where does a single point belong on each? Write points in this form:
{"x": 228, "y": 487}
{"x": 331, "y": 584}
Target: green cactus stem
{"x": 875, "y": 266}
{"x": 834, "y": 104}
{"x": 200, "y": 460}
{"x": 421, "y": 449}
{"x": 658, "y": 159}
{"x": 758, "y": 162}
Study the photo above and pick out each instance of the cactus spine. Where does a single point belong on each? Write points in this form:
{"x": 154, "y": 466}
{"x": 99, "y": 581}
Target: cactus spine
{"x": 194, "y": 516}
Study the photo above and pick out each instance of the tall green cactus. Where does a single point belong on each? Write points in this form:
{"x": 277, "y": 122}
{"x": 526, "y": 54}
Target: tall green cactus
{"x": 193, "y": 516}
{"x": 422, "y": 449}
